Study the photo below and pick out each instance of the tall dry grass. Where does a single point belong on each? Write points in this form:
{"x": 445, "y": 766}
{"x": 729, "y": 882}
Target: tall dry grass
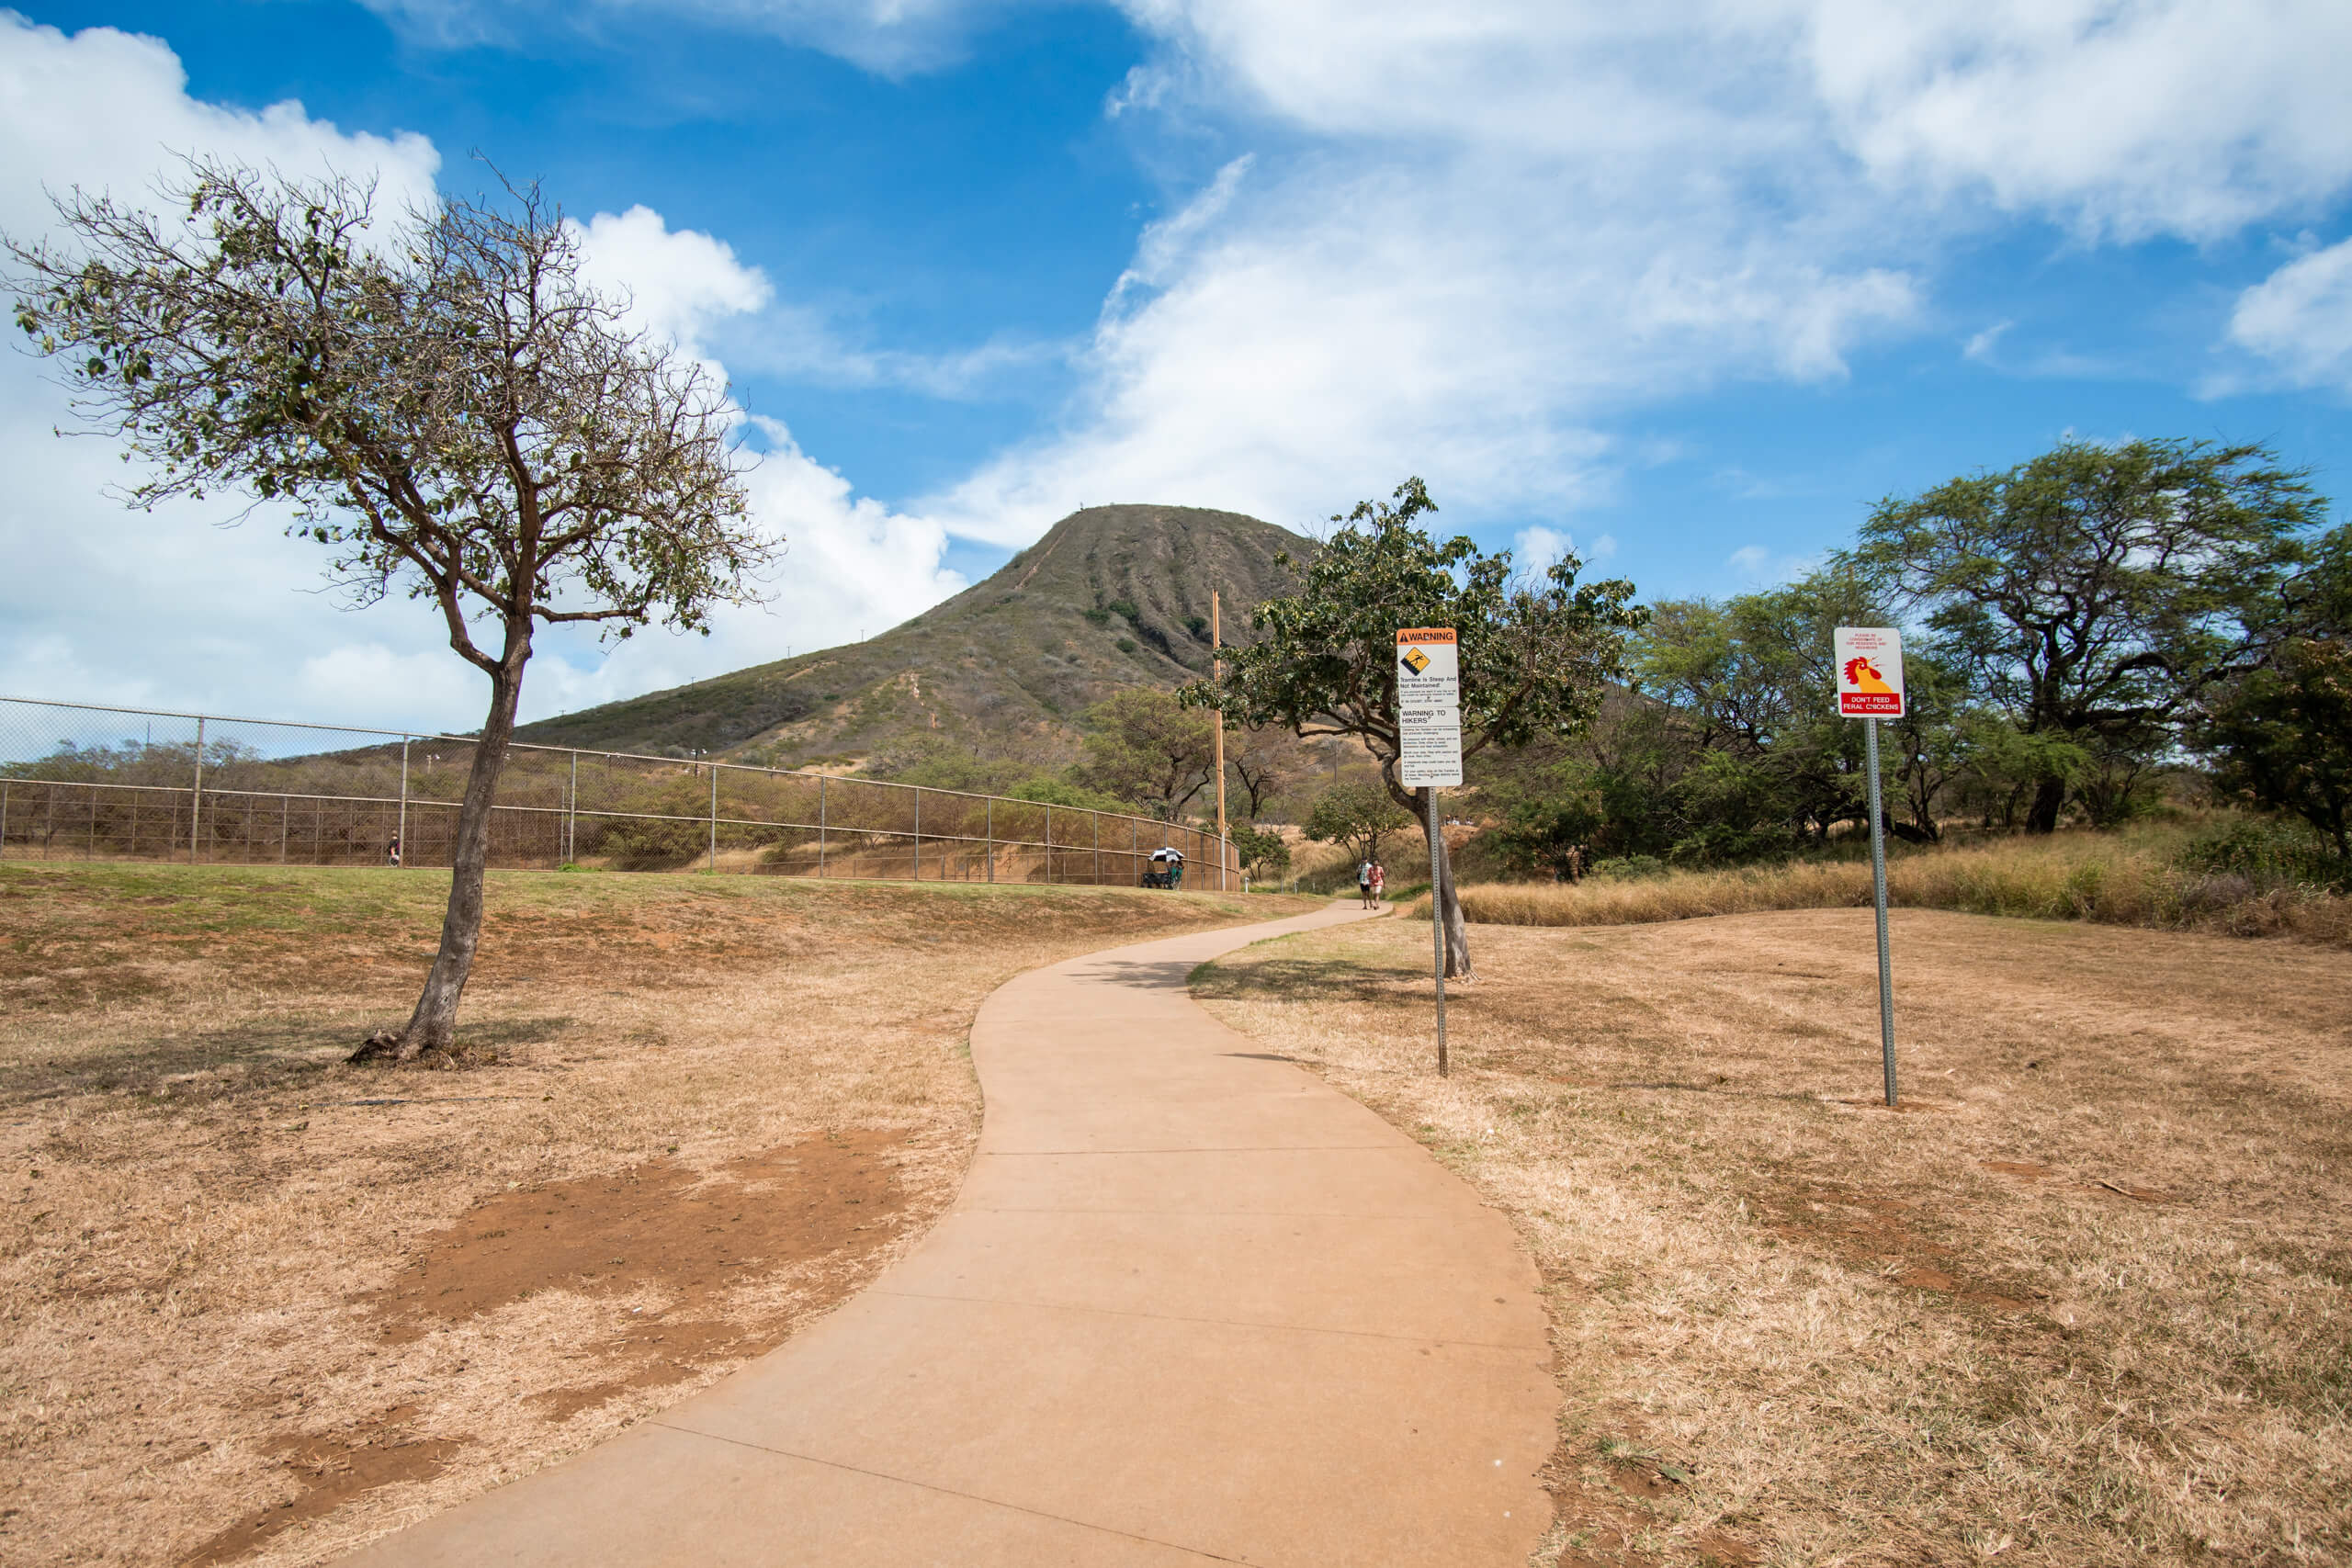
{"x": 2125, "y": 881}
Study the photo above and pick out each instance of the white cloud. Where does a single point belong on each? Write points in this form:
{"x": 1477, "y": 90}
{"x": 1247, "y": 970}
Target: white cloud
{"x": 2122, "y": 118}
{"x": 1493, "y": 229}
{"x": 680, "y": 283}
{"x": 1981, "y": 345}
{"x": 109, "y": 110}
{"x": 2300, "y": 319}
{"x": 894, "y": 38}
{"x": 1534, "y": 549}
{"x": 1760, "y": 566}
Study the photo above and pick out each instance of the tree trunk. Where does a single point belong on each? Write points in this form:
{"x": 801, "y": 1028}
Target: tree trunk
{"x": 1449, "y": 901}
{"x": 433, "y": 1028}
{"x": 2048, "y": 796}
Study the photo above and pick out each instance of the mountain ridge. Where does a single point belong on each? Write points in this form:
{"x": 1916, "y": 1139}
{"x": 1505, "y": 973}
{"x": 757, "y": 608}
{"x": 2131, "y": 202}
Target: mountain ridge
{"x": 1109, "y": 597}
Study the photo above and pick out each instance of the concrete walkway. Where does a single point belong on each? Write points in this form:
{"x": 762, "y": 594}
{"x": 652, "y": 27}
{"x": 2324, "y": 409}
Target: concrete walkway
{"x": 1192, "y": 1306}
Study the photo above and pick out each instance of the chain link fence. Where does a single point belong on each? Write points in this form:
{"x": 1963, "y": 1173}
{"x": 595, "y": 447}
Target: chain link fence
{"x": 84, "y": 782}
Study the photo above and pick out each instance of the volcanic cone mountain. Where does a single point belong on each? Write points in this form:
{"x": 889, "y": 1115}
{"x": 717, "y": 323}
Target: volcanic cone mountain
{"x": 1112, "y": 596}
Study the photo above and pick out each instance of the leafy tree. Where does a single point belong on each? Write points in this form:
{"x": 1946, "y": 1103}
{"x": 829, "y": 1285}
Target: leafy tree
{"x": 1536, "y": 656}
{"x": 1359, "y": 816}
{"x": 1749, "y": 682}
{"x": 2095, "y": 594}
{"x": 1262, "y": 763}
{"x": 448, "y": 410}
{"x": 1556, "y": 835}
{"x": 1148, "y": 748}
{"x": 2282, "y": 736}
{"x": 1263, "y": 852}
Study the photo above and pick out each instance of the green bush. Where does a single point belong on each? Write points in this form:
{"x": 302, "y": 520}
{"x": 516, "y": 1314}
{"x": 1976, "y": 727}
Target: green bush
{"x": 2268, "y": 852}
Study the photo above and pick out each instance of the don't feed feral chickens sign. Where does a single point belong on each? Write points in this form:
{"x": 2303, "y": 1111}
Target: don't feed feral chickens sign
{"x": 1870, "y": 671}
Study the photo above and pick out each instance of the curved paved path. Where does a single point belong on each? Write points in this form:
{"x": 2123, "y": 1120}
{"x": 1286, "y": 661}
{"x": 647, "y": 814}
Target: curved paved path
{"x": 1191, "y": 1306}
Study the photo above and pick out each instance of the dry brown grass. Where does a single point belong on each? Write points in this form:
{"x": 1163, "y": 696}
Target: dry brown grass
{"x": 261, "y": 1305}
{"x": 2089, "y": 1303}
{"x": 2110, "y": 880}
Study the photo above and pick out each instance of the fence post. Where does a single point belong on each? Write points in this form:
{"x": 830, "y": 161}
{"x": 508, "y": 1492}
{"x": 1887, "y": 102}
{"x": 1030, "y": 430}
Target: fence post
{"x": 285, "y": 819}
{"x": 992, "y": 832}
{"x": 571, "y": 814}
{"x": 1049, "y": 846}
{"x": 400, "y": 827}
{"x": 195, "y": 798}
{"x": 820, "y": 826}
{"x": 712, "y": 862}
{"x": 1097, "y": 847}
{"x": 3, "y": 816}
{"x": 918, "y": 833}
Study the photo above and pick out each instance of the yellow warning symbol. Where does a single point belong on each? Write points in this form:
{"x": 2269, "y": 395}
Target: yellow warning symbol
{"x": 1415, "y": 660}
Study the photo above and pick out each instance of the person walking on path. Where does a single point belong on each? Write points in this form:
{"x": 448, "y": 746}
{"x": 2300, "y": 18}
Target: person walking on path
{"x": 1379, "y": 883}
{"x": 1363, "y": 882}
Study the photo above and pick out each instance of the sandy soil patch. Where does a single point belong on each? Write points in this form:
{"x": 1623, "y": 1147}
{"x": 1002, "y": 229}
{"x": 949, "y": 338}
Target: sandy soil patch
{"x": 2086, "y": 1301}
{"x": 261, "y": 1306}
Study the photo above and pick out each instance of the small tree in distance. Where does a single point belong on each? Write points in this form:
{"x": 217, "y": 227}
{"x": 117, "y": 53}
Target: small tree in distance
{"x": 1263, "y": 852}
{"x": 1358, "y": 816}
{"x": 1535, "y": 656}
{"x": 446, "y": 407}
{"x": 1148, "y": 749}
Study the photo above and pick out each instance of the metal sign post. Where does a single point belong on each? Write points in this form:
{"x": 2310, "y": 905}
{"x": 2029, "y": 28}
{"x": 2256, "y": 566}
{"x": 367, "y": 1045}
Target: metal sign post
{"x": 1869, "y": 687}
{"x": 1429, "y": 758}
{"x": 1216, "y": 673}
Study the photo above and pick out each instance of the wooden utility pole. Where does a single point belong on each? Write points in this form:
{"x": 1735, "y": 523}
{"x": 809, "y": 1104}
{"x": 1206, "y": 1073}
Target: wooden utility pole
{"x": 1216, "y": 671}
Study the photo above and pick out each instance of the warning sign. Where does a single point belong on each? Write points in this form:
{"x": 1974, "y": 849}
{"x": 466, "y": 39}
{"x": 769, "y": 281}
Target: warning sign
{"x": 1870, "y": 671}
{"x": 1428, "y": 708}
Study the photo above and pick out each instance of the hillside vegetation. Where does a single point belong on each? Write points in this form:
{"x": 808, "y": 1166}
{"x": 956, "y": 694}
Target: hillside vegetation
{"x": 1112, "y": 596}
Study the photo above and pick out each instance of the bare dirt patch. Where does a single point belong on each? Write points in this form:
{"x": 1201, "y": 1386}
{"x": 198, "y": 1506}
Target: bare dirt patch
{"x": 260, "y": 1305}
{"x": 2090, "y": 1306}
{"x": 659, "y": 1225}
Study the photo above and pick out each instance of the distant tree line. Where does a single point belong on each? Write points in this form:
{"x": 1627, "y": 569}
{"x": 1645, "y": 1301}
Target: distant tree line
{"x": 2078, "y": 629}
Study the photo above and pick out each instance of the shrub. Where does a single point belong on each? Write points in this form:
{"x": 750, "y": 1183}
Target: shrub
{"x": 2268, "y": 854}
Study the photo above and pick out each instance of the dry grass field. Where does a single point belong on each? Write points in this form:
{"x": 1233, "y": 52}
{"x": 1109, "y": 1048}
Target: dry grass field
{"x": 256, "y": 1306}
{"x": 2086, "y": 1300}
{"x": 2126, "y": 879}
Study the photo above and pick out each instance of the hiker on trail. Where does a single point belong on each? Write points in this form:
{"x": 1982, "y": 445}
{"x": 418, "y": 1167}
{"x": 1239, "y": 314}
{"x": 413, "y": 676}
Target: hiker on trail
{"x": 1379, "y": 883}
{"x": 1363, "y": 882}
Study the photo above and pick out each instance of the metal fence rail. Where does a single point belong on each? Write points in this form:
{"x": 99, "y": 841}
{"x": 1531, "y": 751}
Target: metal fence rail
{"x": 88, "y": 782}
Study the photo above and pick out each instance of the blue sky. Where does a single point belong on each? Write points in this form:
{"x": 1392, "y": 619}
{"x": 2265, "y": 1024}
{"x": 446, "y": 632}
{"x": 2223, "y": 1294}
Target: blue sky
{"x": 1689, "y": 287}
